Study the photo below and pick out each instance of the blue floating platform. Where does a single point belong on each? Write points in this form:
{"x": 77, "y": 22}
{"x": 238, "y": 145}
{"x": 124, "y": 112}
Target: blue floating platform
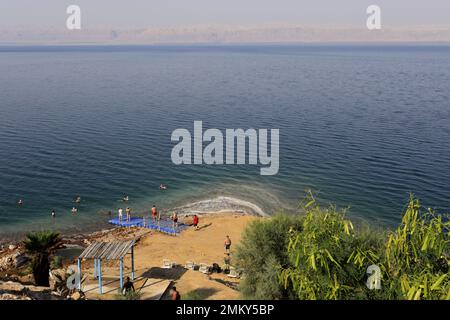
{"x": 164, "y": 226}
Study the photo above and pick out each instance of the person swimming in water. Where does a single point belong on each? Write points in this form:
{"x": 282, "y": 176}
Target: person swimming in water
{"x": 77, "y": 199}
{"x": 53, "y": 213}
{"x": 20, "y": 202}
{"x": 162, "y": 187}
{"x": 74, "y": 210}
{"x": 126, "y": 198}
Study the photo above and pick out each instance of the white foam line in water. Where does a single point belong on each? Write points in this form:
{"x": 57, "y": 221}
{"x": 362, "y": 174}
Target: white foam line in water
{"x": 221, "y": 204}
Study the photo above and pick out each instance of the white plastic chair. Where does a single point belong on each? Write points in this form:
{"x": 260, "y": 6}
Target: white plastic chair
{"x": 168, "y": 264}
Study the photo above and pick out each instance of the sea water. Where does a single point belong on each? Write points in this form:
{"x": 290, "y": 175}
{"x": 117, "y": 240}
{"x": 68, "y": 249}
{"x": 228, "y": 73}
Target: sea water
{"x": 362, "y": 125}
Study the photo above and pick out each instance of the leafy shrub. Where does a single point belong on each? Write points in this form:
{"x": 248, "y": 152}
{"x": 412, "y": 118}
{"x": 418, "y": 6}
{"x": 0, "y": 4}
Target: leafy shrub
{"x": 328, "y": 258}
{"x": 321, "y": 255}
{"x": 417, "y": 255}
{"x": 261, "y": 253}
{"x": 130, "y": 295}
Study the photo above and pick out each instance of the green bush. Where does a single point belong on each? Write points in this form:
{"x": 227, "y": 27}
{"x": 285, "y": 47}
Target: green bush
{"x": 130, "y": 295}
{"x": 321, "y": 255}
{"x": 328, "y": 257}
{"x": 262, "y": 253}
{"x": 417, "y": 256}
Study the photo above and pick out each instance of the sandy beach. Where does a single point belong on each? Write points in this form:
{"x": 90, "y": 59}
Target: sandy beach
{"x": 205, "y": 245}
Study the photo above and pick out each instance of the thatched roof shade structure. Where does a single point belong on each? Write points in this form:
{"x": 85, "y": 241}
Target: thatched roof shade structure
{"x": 115, "y": 250}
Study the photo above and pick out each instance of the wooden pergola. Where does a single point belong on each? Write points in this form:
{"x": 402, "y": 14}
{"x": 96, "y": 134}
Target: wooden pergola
{"x": 115, "y": 250}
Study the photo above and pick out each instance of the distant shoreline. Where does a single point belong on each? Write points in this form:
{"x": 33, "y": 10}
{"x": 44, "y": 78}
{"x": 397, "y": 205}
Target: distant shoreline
{"x": 224, "y": 34}
{"x": 392, "y": 43}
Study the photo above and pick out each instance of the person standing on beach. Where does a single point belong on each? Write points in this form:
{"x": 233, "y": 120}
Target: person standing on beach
{"x": 128, "y": 287}
{"x": 195, "y": 222}
{"x": 128, "y": 211}
{"x": 227, "y": 244}
{"x": 175, "y": 220}
{"x": 120, "y": 214}
{"x": 154, "y": 213}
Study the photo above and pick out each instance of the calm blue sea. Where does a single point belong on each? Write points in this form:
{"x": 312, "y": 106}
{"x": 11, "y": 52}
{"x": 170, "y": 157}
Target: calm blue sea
{"x": 363, "y": 125}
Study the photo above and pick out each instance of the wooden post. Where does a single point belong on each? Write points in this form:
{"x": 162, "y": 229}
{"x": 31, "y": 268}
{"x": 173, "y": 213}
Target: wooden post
{"x": 121, "y": 273}
{"x": 79, "y": 272}
{"x": 132, "y": 263}
{"x": 100, "y": 289}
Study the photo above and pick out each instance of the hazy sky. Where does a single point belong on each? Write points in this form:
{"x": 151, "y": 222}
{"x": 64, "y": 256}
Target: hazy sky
{"x": 153, "y": 13}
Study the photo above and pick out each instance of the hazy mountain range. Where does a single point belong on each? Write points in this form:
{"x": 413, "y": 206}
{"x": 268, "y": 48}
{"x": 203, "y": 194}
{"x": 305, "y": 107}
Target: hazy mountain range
{"x": 221, "y": 34}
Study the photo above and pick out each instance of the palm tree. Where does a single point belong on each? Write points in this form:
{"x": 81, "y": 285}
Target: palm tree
{"x": 40, "y": 245}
